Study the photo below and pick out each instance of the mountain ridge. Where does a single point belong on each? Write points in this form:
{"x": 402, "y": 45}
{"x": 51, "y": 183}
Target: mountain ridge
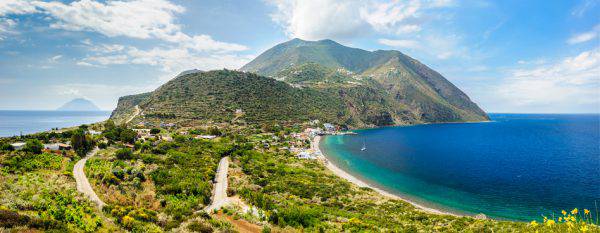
{"x": 302, "y": 80}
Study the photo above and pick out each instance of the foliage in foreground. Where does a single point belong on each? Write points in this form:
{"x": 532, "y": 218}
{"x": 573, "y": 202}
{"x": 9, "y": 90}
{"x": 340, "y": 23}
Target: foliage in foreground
{"x": 303, "y": 194}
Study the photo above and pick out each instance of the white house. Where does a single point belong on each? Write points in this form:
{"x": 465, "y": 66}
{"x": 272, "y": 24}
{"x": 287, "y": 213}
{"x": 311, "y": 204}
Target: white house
{"x": 205, "y": 136}
{"x": 329, "y": 127}
{"x": 18, "y": 145}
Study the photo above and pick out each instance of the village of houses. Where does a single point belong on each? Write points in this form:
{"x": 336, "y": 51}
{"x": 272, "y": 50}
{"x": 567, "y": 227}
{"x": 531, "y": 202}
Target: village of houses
{"x": 303, "y": 145}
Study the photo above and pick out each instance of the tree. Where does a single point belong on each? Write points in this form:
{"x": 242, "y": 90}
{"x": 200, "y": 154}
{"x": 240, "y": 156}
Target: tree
{"x": 109, "y": 125}
{"x": 34, "y": 146}
{"x": 214, "y": 131}
{"x": 123, "y": 153}
{"x": 128, "y": 136}
{"x": 6, "y": 147}
{"x": 154, "y": 131}
{"x": 81, "y": 142}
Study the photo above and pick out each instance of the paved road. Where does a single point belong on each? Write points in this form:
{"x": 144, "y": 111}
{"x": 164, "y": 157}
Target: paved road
{"x": 219, "y": 197}
{"x": 83, "y": 185}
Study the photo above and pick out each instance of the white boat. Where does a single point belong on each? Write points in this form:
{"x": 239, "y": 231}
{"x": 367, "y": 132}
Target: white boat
{"x": 364, "y": 147}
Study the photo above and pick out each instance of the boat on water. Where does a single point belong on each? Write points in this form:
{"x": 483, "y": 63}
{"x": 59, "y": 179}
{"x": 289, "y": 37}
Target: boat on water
{"x": 364, "y": 147}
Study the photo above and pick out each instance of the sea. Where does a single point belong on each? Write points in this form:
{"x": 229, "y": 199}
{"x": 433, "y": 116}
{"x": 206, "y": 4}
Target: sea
{"x": 516, "y": 167}
{"x": 17, "y": 122}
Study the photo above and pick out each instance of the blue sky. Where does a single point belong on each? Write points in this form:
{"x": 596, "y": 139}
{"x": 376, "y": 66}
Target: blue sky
{"x": 508, "y": 56}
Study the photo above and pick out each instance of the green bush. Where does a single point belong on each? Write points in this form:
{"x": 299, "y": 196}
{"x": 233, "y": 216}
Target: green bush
{"x": 25, "y": 162}
{"x": 81, "y": 142}
{"x": 123, "y": 154}
{"x": 127, "y": 136}
{"x": 154, "y": 131}
{"x": 6, "y": 147}
{"x": 10, "y": 219}
{"x": 33, "y": 146}
{"x": 197, "y": 226}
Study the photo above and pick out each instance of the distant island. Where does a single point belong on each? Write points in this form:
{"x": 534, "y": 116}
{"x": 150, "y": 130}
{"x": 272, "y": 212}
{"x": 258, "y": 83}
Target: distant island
{"x": 78, "y": 104}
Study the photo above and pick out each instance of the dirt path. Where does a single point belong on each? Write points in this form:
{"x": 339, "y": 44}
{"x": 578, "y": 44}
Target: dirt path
{"x": 219, "y": 197}
{"x": 135, "y": 113}
{"x": 83, "y": 185}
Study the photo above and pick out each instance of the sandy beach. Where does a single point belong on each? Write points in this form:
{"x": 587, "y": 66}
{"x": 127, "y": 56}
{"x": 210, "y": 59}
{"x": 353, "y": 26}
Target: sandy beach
{"x": 341, "y": 173}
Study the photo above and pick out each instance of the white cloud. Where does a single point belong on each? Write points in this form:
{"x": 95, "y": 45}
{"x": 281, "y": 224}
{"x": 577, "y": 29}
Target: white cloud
{"x": 140, "y": 19}
{"x": 433, "y": 45}
{"x": 388, "y": 15}
{"x": 570, "y": 83}
{"x": 319, "y": 19}
{"x": 170, "y": 60}
{"x": 82, "y": 63}
{"x": 8, "y": 7}
{"x": 55, "y": 59}
{"x": 6, "y": 27}
{"x": 105, "y": 96}
{"x": 583, "y": 7}
{"x": 341, "y": 19}
{"x": 586, "y": 36}
{"x": 400, "y": 43}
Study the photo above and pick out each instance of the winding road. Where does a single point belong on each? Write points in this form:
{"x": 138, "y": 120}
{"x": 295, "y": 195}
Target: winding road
{"x": 219, "y": 197}
{"x": 83, "y": 185}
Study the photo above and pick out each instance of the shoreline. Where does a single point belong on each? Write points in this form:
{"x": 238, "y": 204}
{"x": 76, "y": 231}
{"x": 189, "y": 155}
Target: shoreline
{"x": 315, "y": 144}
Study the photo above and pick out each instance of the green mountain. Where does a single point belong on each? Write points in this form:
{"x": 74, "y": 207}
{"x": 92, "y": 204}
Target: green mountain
{"x": 423, "y": 91}
{"x": 303, "y": 80}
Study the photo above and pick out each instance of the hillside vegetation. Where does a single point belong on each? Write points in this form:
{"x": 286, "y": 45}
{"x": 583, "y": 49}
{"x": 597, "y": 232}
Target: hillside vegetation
{"x": 301, "y": 80}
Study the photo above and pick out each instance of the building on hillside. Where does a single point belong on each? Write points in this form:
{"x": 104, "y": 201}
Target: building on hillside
{"x": 329, "y": 127}
{"x": 167, "y": 125}
{"x": 51, "y": 146}
{"x": 94, "y": 132}
{"x": 166, "y": 138}
{"x": 18, "y": 145}
{"x": 57, "y": 146}
{"x": 205, "y": 136}
{"x": 305, "y": 155}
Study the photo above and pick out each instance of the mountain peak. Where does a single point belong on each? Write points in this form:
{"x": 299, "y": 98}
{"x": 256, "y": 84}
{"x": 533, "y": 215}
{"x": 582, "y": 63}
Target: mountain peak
{"x": 79, "y": 104}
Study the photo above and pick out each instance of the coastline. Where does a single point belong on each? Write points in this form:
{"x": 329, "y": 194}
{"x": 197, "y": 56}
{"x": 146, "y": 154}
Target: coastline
{"x": 315, "y": 145}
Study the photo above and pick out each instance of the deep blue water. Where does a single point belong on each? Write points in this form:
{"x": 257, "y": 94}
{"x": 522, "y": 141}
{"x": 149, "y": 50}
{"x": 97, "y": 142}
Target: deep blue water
{"x": 26, "y": 122}
{"x": 518, "y": 167}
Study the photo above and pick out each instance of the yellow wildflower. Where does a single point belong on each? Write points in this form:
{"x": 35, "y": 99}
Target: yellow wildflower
{"x": 560, "y": 219}
{"x": 564, "y": 212}
{"x": 574, "y": 211}
{"x": 584, "y": 228}
{"x": 570, "y": 224}
{"x": 545, "y": 218}
{"x": 533, "y": 223}
{"x": 586, "y": 211}
{"x": 550, "y": 222}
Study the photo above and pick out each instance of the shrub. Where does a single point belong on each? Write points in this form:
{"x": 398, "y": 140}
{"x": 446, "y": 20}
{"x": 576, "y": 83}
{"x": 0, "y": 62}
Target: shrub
{"x": 154, "y": 131}
{"x": 33, "y": 146}
{"x": 31, "y": 162}
{"x": 81, "y": 142}
{"x": 197, "y": 226}
{"x": 128, "y": 136}
{"x": 102, "y": 145}
{"x": 123, "y": 154}
{"x": 10, "y": 219}
{"x": 6, "y": 147}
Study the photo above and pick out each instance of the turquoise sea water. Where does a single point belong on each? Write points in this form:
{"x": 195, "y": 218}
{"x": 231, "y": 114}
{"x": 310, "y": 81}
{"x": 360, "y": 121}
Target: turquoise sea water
{"x": 518, "y": 167}
{"x": 14, "y": 122}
